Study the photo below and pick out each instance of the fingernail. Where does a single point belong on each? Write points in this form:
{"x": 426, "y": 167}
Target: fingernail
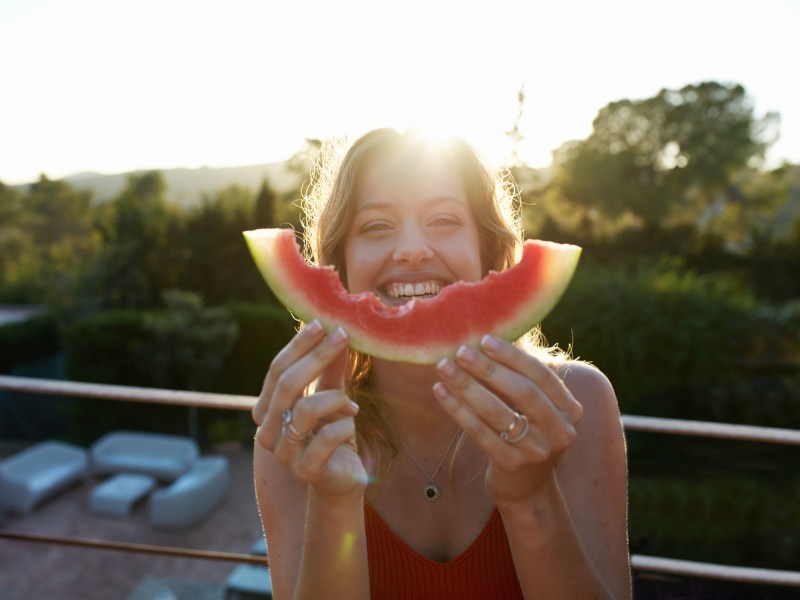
{"x": 314, "y": 327}
{"x": 339, "y": 335}
{"x": 490, "y": 343}
{"x": 446, "y": 367}
{"x": 440, "y": 391}
{"x": 354, "y": 406}
{"x": 467, "y": 355}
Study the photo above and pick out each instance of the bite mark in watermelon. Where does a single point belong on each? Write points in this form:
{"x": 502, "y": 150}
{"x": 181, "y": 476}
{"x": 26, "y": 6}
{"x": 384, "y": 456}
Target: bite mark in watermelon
{"x": 506, "y": 304}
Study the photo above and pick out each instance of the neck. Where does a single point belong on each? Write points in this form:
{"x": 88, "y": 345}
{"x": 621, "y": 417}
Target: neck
{"x": 413, "y": 410}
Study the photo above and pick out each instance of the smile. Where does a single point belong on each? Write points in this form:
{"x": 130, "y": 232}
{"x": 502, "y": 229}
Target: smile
{"x": 409, "y": 290}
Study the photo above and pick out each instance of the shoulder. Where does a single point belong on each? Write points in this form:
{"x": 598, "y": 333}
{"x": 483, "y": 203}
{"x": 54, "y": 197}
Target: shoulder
{"x": 587, "y": 383}
{"x": 600, "y": 427}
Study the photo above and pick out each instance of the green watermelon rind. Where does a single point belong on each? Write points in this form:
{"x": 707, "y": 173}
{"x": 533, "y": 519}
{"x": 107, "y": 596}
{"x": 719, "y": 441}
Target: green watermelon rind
{"x": 559, "y": 267}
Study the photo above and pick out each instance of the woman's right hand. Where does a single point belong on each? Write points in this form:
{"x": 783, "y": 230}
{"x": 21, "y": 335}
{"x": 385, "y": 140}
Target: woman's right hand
{"x": 327, "y": 459}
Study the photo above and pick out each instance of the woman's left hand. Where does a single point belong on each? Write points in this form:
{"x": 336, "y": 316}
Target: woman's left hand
{"x": 504, "y": 390}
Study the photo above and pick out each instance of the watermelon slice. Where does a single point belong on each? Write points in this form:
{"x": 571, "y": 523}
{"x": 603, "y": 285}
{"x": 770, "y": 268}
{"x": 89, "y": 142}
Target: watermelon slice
{"x": 506, "y": 304}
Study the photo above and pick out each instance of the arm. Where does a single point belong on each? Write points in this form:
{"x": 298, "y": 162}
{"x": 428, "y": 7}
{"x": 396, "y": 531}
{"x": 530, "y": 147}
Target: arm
{"x": 561, "y": 489}
{"x": 310, "y": 488}
{"x": 333, "y": 553}
{"x": 575, "y": 531}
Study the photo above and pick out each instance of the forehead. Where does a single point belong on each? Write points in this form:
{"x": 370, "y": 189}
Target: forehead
{"x": 406, "y": 175}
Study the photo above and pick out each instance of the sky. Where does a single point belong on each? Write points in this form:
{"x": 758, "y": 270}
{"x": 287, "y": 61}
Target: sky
{"x": 117, "y": 85}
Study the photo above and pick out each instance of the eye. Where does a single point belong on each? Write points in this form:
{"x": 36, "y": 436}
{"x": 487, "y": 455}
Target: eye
{"x": 445, "y": 221}
{"x": 375, "y": 227}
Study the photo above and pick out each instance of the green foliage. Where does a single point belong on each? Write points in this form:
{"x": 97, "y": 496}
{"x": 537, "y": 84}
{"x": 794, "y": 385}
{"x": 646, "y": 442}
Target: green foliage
{"x": 651, "y": 328}
{"x": 263, "y": 330}
{"x": 46, "y": 237}
{"x": 265, "y": 207}
{"x": 661, "y": 159}
{"x": 106, "y": 348}
{"x": 215, "y": 259}
{"x": 722, "y": 520}
{"x": 186, "y": 343}
{"x": 27, "y": 341}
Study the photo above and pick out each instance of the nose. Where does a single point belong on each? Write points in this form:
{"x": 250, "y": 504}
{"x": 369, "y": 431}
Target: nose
{"x": 412, "y": 248}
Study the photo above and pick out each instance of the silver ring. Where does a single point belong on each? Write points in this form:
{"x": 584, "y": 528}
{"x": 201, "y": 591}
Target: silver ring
{"x": 509, "y": 436}
{"x": 289, "y": 431}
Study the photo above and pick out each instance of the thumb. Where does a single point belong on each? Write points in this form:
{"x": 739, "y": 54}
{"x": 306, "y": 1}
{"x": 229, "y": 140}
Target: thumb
{"x": 332, "y": 376}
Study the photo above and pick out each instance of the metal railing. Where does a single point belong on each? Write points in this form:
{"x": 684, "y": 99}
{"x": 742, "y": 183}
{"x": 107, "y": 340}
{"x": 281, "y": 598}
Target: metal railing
{"x": 643, "y": 563}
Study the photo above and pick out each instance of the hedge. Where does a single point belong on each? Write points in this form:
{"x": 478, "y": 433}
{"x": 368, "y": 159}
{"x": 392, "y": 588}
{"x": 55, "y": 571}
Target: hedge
{"x": 27, "y": 341}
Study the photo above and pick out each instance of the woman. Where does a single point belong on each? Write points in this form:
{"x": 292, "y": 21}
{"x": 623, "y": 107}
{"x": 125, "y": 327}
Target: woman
{"x": 498, "y": 473}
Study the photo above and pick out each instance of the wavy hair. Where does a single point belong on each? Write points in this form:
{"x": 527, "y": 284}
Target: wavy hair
{"x": 329, "y": 208}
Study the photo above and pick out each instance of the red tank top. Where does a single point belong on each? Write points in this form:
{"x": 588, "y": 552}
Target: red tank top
{"x": 485, "y": 570}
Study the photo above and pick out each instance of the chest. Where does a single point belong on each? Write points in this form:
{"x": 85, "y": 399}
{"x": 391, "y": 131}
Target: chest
{"x": 441, "y": 530}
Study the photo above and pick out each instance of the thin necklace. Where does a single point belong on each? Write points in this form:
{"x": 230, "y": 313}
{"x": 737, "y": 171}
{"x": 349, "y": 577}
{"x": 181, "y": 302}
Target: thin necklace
{"x": 431, "y": 490}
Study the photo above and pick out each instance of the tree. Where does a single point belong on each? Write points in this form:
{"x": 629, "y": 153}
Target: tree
{"x": 56, "y": 221}
{"x": 265, "y": 206}
{"x": 12, "y": 237}
{"x": 665, "y": 158}
{"x": 140, "y": 256}
{"x": 216, "y": 261}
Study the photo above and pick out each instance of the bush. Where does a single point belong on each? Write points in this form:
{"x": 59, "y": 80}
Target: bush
{"x": 723, "y": 520}
{"x": 652, "y": 328}
{"x": 28, "y": 340}
{"x": 263, "y": 330}
{"x": 106, "y": 348}
{"x": 122, "y": 347}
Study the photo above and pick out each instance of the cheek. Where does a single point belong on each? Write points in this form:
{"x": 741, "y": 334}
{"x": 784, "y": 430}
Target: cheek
{"x": 359, "y": 266}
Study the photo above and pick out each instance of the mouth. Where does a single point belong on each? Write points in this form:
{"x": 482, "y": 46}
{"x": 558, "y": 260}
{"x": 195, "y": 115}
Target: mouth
{"x": 403, "y": 292}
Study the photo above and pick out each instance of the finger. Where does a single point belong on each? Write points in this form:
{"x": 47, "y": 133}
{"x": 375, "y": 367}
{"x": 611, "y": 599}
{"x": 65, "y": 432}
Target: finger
{"x": 516, "y": 389}
{"x": 333, "y": 375}
{"x": 311, "y": 464}
{"x": 537, "y": 371}
{"x": 293, "y": 382}
{"x": 491, "y": 409}
{"x": 550, "y": 428}
{"x": 509, "y": 457}
{"x": 326, "y": 406}
{"x": 301, "y": 344}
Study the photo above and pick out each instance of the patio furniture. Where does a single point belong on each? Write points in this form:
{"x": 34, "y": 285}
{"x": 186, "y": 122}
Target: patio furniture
{"x": 116, "y": 496}
{"x": 39, "y": 472}
{"x": 192, "y": 496}
{"x": 248, "y": 582}
{"x": 163, "y": 456}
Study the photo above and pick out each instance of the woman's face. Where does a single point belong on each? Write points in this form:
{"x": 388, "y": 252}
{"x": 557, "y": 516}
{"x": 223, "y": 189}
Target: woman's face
{"x": 413, "y": 231}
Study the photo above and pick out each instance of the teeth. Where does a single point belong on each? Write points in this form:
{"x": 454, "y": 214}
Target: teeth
{"x": 396, "y": 290}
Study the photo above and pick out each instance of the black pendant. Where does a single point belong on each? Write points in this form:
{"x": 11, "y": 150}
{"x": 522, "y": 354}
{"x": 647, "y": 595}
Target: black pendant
{"x": 431, "y": 491}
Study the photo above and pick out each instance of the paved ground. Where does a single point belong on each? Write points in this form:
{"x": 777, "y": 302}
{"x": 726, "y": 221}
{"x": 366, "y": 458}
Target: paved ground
{"x": 31, "y": 571}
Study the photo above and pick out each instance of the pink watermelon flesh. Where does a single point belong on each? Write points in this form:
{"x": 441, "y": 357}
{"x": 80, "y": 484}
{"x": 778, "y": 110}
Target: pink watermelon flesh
{"x": 506, "y": 304}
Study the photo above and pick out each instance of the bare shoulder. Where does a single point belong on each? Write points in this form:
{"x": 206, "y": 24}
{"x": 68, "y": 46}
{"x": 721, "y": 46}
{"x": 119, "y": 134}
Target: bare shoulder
{"x": 590, "y": 386}
{"x": 600, "y": 443}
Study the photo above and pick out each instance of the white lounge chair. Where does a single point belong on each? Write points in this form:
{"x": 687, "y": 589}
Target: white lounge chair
{"x": 192, "y": 496}
{"x": 163, "y": 456}
{"x": 39, "y": 472}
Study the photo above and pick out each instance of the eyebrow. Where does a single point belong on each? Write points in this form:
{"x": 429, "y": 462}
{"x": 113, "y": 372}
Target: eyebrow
{"x": 385, "y": 204}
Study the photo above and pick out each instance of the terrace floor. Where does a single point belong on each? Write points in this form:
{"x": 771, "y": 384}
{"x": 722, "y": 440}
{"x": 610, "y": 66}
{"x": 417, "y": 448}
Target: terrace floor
{"x": 33, "y": 570}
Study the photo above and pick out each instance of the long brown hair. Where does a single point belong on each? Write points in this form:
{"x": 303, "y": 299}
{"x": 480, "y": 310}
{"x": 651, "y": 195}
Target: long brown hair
{"x": 329, "y": 207}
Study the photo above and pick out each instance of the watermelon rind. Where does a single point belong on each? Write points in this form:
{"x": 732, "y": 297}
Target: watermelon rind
{"x": 420, "y": 331}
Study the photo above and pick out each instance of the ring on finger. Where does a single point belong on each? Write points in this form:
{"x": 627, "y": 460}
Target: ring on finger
{"x": 510, "y": 435}
{"x": 289, "y": 431}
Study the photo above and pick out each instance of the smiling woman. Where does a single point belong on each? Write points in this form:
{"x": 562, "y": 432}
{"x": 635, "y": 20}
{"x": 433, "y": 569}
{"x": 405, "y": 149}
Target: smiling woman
{"x": 534, "y": 503}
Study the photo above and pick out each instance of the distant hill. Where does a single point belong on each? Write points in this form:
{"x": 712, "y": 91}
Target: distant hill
{"x": 187, "y": 186}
